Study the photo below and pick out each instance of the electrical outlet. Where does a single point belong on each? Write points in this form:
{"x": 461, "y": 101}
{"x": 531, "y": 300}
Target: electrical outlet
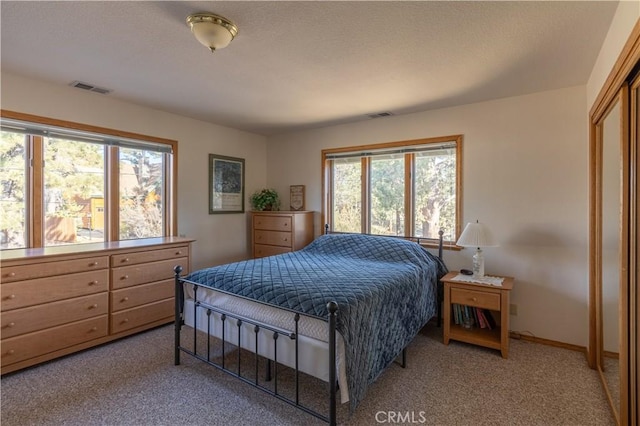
{"x": 513, "y": 309}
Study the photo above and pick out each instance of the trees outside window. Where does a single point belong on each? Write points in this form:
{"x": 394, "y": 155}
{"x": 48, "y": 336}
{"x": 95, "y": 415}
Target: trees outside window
{"x": 74, "y": 180}
{"x": 13, "y": 190}
{"x": 141, "y": 194}
{"x": 409, "y": 188}
{"x": 67, "y": 183}
{"x": 347, "y": 202}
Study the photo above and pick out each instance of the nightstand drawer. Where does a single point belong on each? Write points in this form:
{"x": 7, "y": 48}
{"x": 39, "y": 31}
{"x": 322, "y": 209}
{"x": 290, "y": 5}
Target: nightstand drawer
{"x": 476, "y": 298}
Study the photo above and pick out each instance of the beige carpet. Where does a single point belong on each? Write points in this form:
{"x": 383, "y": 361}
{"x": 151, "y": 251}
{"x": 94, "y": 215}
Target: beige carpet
{"x": 134, "y": 382}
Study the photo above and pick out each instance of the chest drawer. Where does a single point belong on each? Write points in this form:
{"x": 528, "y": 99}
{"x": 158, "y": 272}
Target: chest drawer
{"x": 272, "y": 223}
{"x": 146, "y": 273}
{"x": 260, "y": 250}
{"x": 139, "y": 295}
{"x": 26, "y": 272}
{"x": 38, "y": 343}
{"x": 273, "y": 238}
{"x": 149, "y": 256}
{"x": 476, "y": 298}
{"x": 131, "y": 318}
{"x": 33, "y": 292}
{"x": 26, "y": 320}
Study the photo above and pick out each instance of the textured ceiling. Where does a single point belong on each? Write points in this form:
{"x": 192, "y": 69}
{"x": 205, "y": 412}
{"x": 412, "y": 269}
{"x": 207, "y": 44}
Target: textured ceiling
{"x": 301, "y": 65}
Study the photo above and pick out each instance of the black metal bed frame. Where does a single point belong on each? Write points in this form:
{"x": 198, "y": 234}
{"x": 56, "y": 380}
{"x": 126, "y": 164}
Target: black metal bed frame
{"x": 257, "y": 328}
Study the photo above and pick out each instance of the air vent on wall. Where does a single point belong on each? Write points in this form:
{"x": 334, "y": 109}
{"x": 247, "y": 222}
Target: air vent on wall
{"x": 90, "y": 87}
{"x": 380, "y": 114}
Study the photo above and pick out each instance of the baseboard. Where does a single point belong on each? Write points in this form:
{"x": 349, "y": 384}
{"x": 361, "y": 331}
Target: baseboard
{"x": 519, "y": 336}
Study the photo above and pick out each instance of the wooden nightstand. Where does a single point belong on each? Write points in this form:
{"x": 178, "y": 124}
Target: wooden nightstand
{"x": 495, "y": 299}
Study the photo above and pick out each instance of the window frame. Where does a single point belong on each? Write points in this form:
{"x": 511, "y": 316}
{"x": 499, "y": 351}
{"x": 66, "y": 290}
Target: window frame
{"x": 409, "y": 184}
{"x": 35, "y": 184}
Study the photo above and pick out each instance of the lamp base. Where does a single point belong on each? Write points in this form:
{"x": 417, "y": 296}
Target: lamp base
{"x": 478, "y": 264}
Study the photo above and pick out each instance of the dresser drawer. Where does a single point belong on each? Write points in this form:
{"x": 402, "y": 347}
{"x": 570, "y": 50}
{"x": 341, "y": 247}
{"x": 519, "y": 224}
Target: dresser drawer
{"x": 33, "y": 292}
{"x": 26, "y": 272}
{"x": 273, "y": 238}
{"x": 476, "y": 298}
{"x": 272, "y": 223}
{"x": 38, "y": 343}
{"x": 131, "y": 318}
{"x": 260, "y": 250}
{"x": 26, "y": 320}
{"x": 149, "y": 256}
{"x": 146, "y": 273}
{"x": 131, "y": 297}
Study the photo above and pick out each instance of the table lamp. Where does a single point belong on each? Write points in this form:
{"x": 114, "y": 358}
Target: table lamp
{"x": 476, "y": 235}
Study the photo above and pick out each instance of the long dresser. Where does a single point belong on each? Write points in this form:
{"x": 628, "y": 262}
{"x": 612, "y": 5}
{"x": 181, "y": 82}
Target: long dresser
{"x": 59, "y": 300}
{"x": 280, "y": 231}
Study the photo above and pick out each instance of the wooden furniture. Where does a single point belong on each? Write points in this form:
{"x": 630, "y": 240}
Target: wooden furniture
{"x": 59, "y": 300}
{"x": 280, "y": 232}
{"x": 493, "y": 298}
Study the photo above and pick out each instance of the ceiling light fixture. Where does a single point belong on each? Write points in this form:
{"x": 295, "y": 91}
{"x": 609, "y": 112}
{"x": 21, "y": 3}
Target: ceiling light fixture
{"x": 213, "y": 31}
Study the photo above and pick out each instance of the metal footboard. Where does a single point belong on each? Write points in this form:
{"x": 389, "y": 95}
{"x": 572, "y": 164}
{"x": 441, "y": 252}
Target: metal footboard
{"x": 257, "y": 327}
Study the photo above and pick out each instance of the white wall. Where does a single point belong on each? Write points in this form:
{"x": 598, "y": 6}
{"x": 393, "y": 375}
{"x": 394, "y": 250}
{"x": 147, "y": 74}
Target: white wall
{"x": 221, "y": 237}
{"x": 624, "y": 20}
{"x": 525, "y": 175}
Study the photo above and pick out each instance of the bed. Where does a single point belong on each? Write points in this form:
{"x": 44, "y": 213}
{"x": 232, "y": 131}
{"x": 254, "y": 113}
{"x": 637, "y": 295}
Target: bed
{"x": 342, "y": 310}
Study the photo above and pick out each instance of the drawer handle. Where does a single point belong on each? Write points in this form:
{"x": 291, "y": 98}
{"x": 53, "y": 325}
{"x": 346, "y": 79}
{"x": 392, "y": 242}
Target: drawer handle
{"x": 474, "y": 299}
{"x": 124, "y": 277}
{"x": 286, "y": 224}
{"x": 126, "y": 259}
{"x": 126, "y": 320}
{"x": 178, "y": 253}
{"x": 93, "y": 264}
{"x": 94, "y": 329}
{"x": 11, "y": 274}
{"x": 286, "y": 239}
{"x": 95, "y": 282}
{"x": 95, "y": 305}
{"x": 11, "y": 352}
{"x": 13, "y": 296}
{"x": 124, "y": 299}
{"x": 11, "y": 324}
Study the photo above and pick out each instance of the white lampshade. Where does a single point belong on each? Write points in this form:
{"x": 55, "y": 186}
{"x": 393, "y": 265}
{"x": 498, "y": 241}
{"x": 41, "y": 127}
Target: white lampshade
{"x": 475, "y": 235}
{"x": 213, "y": 31}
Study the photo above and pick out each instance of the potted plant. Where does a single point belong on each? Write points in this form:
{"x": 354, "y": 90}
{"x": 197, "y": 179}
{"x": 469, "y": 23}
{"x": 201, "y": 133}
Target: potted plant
{"x": 265, "y": 199}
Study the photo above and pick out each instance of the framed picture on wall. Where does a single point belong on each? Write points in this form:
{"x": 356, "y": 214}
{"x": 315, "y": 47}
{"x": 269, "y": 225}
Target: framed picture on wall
{"x": 296, "y": 197}
{"x": 226, "y": 184}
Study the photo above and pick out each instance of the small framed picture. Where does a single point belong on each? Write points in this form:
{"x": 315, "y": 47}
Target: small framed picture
{"x": 226, "y": 184}
{"x": 297, "y": 197}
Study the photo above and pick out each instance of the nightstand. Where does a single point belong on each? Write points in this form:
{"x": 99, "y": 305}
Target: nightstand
{"x": 492, "y": 299}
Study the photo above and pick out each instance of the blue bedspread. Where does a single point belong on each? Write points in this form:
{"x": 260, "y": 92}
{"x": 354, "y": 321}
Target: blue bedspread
{"x": 385, "y": 289}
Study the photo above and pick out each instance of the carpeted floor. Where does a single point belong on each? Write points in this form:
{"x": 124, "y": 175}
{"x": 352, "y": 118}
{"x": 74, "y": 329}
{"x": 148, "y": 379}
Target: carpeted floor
{"x": 134, "y": 382}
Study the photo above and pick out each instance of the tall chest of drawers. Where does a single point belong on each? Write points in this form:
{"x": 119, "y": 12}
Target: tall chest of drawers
{"x": 280, "y": 232}
{"x": 59, "y": 300}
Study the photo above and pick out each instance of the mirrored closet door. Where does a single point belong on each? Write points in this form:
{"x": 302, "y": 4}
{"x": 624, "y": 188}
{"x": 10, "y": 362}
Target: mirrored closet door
{"x": 614, "y": 224}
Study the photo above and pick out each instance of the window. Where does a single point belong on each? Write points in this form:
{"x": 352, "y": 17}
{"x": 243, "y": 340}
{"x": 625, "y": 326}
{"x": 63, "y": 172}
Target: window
{"x": 67, "y": 183}
{"x": 74, "y": 180}
{"x": 141, "y": 194}
{"x": 409, "y": 188}
{"x": 347, "y": 203}
{"x": 13, "y": 181}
